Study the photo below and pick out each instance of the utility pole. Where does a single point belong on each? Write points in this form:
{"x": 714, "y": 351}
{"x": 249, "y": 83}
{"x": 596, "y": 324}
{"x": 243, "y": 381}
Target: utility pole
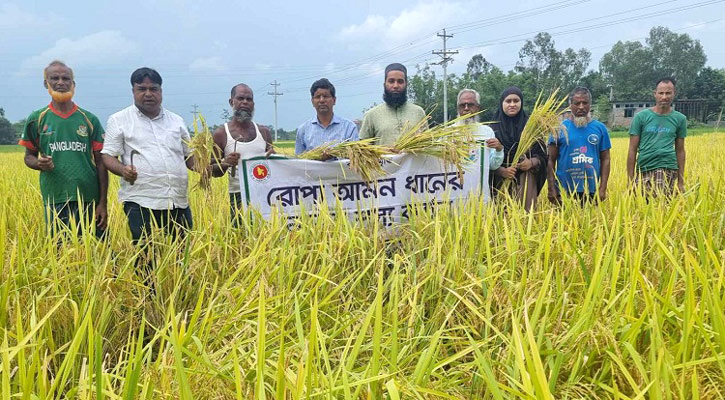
{"x": 444, "y": 62}
{"x": 195, "y": 112}
{"x": 275, "y": 94}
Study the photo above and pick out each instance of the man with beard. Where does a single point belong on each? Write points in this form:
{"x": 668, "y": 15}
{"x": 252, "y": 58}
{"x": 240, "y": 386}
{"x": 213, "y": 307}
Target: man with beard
{"x": 63, "y": 142}
{"x": 657, "y": 143}
{"x": 240, "y": 138}
{"x": 326, "y": 127}
{"x": 387, "y": 121}
{"x": 152, "y": 144}
{"x": 580, "y": 153}
{"x": 469, "y": 102}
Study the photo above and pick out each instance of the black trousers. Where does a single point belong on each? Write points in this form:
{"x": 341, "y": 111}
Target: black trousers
{"x": 175, "y": 221}
{"x": 60, "y": 215}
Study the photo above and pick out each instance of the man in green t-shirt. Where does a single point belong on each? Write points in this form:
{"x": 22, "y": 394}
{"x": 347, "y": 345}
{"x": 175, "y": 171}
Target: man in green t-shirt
{"x": 657, "y": 143}
{"x": 63, "y": 142}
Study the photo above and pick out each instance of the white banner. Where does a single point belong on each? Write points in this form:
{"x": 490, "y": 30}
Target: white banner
{"x": 293, "y": 185}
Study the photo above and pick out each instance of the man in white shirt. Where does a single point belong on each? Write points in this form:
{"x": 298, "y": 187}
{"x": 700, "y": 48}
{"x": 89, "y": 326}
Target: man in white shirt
{"x": 469, "y": 102}
{"x": 151, "y": 143}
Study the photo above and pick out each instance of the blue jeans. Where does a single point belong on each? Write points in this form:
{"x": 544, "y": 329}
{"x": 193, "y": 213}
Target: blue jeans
{"x": 59, "y": 216}
{"x": 175, "y": 221}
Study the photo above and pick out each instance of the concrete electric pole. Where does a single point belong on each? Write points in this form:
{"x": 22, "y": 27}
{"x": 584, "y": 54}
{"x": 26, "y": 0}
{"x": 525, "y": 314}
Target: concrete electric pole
{"x": 275, "y": 94}
{"x": 444, "y": 62}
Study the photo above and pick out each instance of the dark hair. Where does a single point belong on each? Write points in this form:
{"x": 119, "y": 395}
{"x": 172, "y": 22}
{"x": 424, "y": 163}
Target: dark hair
{"x": 144, "y": 72}
{"x": 665, "y": 80}
{"x": 322, "y": 84}
{"x": 579, "y": 90}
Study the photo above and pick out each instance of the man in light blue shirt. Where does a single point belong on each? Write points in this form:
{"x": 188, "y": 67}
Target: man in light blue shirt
{"x": 325, "y": 127}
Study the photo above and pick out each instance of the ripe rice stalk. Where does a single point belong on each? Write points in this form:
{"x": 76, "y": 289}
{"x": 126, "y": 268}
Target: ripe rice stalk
{"x": 202, "y": 146}
{"x": 364, "y": 156}
{"x": 544, "y": 120}
{"x": 450, "y": 142}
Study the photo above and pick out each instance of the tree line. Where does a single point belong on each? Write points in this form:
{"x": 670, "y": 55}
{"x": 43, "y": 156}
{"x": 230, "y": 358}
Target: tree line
{"x": 627, "y": 72}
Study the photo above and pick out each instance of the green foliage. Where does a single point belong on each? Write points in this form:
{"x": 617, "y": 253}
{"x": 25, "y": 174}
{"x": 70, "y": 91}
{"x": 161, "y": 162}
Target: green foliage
{"x": 547, "y": 68}
{"x": 710, "y": 85}
{"x": 632, "y": 68}
{"x": 602, "y": 108}
{"x": 8, "y": 134}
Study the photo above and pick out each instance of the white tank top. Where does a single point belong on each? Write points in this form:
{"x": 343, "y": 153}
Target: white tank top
{"x": 254, "y": 148}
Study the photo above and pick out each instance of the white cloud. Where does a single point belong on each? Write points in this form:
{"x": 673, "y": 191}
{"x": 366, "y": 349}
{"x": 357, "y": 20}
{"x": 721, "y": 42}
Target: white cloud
{"x": 329, "y": 67}
{"x": 100, "y": 48}
{"x": 424, "y": 17}
{"x": 12, "y": 17}
{"x": 373, "y": 25}
{"x": 208, "y": 64}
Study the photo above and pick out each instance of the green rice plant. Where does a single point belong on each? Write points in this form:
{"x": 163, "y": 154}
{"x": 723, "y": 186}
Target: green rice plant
{"x": 623, "y": 299}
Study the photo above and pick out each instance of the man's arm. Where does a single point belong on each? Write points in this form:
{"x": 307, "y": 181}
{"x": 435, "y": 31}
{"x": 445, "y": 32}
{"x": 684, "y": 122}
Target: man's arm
{"x": 632, "y": 156}
{"x": 267, "y": 136}
{"x": 300, "y": 141}
{"x": 680, "y": 153}
{"x": 37, "y": 162}
{"x": 219, "y": 163}
{"x": 127, "y": 172}
{"x": 352, "y": 133}
{"x": 102, "y": 206}
{"x": 367, "y": 129}
{"x": 604, "y": 167}
{"x": 553, "y": 193}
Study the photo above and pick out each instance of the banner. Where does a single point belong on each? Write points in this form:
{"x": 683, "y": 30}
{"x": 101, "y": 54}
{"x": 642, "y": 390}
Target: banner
{"x": 293, "y": 185}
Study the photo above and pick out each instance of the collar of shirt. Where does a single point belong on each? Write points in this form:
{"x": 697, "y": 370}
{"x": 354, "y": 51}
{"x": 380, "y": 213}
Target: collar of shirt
{"x": 335, "y": 120}
{"x": 140, "y": 114}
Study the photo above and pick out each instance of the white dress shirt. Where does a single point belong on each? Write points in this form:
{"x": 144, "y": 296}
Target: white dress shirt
{"x": 162, "y": 149}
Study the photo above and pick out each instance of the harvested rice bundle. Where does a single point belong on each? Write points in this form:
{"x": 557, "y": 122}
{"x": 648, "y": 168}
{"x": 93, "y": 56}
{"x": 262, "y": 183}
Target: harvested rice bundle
{"x": 543, "y": 121}
{"x": 319, "y": 153}
{"x": 202, "y": 146}
{"x": 449, "y": 142}
{"x": 364, "y": 156}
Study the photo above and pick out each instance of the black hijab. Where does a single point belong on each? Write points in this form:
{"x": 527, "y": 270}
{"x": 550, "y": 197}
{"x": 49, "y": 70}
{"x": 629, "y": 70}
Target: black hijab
{"x": 508, "y": 132}
{"x": 508, "y": 129}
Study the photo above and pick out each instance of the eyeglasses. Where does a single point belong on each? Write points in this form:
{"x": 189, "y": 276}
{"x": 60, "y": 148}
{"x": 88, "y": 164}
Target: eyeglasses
{"x": 467, "y": 105}
{"x": 322, "y": 97}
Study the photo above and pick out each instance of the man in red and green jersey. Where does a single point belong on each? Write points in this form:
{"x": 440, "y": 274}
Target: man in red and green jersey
{"x": 63, "y": 142}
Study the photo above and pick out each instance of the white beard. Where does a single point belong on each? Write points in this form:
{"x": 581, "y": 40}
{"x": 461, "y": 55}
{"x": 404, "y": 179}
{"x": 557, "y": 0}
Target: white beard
{"x": 581, "y": 122}
{"x": 470, "y": 121}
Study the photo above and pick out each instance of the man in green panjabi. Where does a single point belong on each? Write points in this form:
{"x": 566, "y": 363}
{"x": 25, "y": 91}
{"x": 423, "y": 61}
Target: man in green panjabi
{"x": 387, "y": 121}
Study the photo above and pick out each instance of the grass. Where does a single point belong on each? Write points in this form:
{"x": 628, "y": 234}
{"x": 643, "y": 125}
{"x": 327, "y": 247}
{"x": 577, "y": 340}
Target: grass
{"x": 621, "y": 300}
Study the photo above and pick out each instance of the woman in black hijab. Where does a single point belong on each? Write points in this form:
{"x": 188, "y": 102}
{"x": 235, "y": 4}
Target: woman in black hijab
{"x": 528, "y": 173}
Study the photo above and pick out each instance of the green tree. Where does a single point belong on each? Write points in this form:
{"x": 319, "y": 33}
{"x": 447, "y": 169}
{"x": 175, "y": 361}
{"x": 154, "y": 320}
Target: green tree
{"x": 676, "y": 55}
{"x": 7, "y": 132}
{"x": 631, "y": 68}
{"x": 544, "y": 68}
{"x": 710, "y": 85}
{"x": 602, "y": 108}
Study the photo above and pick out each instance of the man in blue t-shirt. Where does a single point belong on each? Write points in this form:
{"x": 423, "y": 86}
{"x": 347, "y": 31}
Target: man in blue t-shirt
{"x": 580, "y": 153}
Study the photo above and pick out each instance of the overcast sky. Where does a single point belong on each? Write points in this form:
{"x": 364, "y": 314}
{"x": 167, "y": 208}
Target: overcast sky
{"x": 202, "y": 48}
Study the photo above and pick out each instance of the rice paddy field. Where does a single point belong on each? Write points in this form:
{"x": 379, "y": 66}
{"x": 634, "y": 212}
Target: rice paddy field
{"x": 620, "y": 300}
